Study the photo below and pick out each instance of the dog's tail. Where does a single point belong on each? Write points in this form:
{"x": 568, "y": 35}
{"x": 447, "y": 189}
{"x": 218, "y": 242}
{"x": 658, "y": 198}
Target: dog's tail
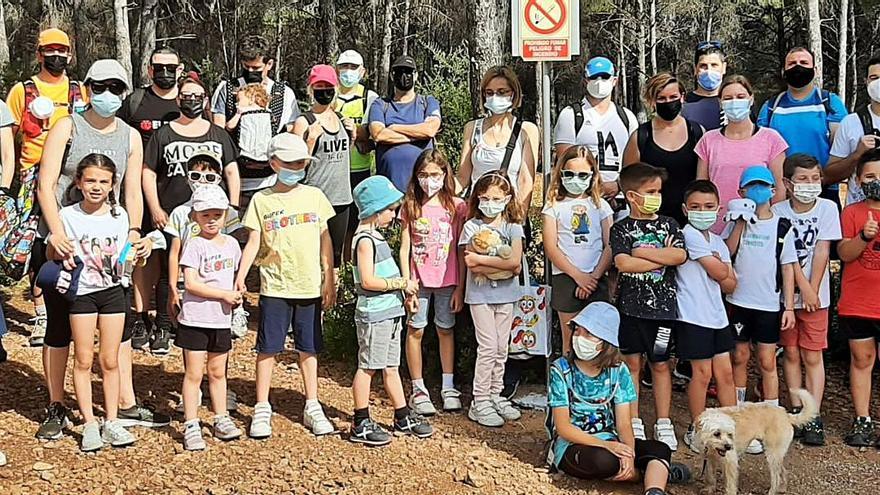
{"x": 809, "y": 411}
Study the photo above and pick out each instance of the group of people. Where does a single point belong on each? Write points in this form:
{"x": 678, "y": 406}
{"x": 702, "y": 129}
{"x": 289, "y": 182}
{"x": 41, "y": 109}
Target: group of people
{"x": 699, "y": 236}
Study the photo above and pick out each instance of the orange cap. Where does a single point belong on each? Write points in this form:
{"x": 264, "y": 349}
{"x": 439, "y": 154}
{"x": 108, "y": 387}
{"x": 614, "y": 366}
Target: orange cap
{"x": 53, "y": 36}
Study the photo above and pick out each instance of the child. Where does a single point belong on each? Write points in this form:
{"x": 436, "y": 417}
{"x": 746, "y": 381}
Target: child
{"x": 379, "y": 315}
{"x": 252, "y": 123}
{"x": 646, "y": 248}
{"x": 702, "y": 333}
{"x": 815, "y": 224}
{"x": 289, "y": 239}
{"x": 857, "y": 307}
{"x": 577, "y": 226}
{"x": 764, "y": 256}
{"x": 493, "y": 208}
{"x": 100, "y": 301}
{"x": 590, "y": 396}
{"x": 432, "y": 217}
{"x": 209, "y": 261}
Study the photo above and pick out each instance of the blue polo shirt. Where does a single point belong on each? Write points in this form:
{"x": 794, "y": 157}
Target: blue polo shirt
{"x": 396, "y": 161}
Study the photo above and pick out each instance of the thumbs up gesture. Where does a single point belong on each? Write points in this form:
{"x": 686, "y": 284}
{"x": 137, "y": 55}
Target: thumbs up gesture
{"x": 871, "y": 227}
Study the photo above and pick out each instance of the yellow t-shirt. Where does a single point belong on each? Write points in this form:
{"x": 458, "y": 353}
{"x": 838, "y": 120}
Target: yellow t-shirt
{"x": 290, "y": 226}
{"x": 32, "y": 147}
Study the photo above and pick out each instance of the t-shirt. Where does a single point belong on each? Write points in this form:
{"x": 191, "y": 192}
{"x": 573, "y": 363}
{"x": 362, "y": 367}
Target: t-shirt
{"x": 728, "y": 158}
{"x": 180, "y": 224}
{"x": 846, "y": 141}
{"x": 579, "y": 230}
{"x": 434, "y": 244}
{"x": 396, "y": 161}
{"x": 604, "y": 134}
{"x": 649, "y": 295}
{"x": 700, "y": 301}
{"x": 374, "y": 306}
{"x": 216, "y": 265}
{"x": 858, "y": 288}
{"x": 167, "y": 154}
{"x": 290, "y": 226}
{"x": 704, "y": 110}
{"x": 98, "y": 240}
{"x": 356, "y": 106}
{"x": 289, "y": 114}
{"x": 756, "y": 264}
{"x": 590, "y": 400}
{"x": 820, "y": 223}
{"x": 153, "y": 113}
{"x": 495, "y": 291}
{"x": 6, "y": 118}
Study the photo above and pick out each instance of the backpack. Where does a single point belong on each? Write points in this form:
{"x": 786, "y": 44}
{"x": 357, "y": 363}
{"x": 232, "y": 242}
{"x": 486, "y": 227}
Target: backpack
{"x": 826, "y": 102}
{"x": 578, "y": 110}
{"x": 32, "y": 126}
{"x": 363, "y": 98}
{"x": 782, "y": 229}
{"x": 645, "y": 132}
{"x": 867, "y": 122}
{"x": 276, "y": 102}
{"x": 135, "y": 100}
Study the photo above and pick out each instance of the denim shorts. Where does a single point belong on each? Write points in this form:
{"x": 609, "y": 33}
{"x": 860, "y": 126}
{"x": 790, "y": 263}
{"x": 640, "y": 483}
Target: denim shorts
{"x": 277, "y": 315}
{"x": 443, "y": 316}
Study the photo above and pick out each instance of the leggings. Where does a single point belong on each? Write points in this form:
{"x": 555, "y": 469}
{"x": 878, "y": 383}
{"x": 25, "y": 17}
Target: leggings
{"x": 595, "y": 463}
{"x": 163, "y": 319}
{"x": 337, "y": 226}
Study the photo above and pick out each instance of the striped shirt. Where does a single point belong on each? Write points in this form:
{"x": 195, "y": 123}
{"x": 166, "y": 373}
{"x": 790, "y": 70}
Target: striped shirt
{"x": 374, "y": 306}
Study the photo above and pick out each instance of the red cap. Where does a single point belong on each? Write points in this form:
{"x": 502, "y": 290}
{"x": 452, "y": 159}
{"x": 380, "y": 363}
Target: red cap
{"x": 323, "y": 73}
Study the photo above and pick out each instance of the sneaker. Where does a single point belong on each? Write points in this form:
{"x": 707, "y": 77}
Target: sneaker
{"x": 38, "y": 332}
{"x": 420, "y": 403}
{"x": 505, "y": 409}
{"x": 414, "y": 424}
{"x": 679, "y": 473}
{"x": 798, "y": 430}
{"x": 239, "y": 322}
{"x": 225, "y": 429}
{"x": 261, "y": 424}
{"x": 315, "y": 420}
{"x": 140, "y": 337}
{"x": 91, "y": 437}
{"x": 451, "y": 399}
{"x": 161, "y": 341}
{"x": 231, "y": 401}
{"x": 146, "y": 416}
{"x": 369, "y": 433}
{"x": 813, "y": 433}
{"x": 655, "y": 491}
{"x": 509, "y": 390}
{"x": 52, "y": 428}
{"x": 862, "y": 433}
{"x": 484, "y": 413}
{"x": 192, "y": 437}
{"x": 683, "y": 370}
{"x": 114, "y": 434}
{"x": 647, "y": 378}
{"x": 689, "y": 439}
{"x": 665, "y": 432}
{"x": 2, "y": 459}
{"x": 755, "y": 447}
{"x": 638, "y": 429}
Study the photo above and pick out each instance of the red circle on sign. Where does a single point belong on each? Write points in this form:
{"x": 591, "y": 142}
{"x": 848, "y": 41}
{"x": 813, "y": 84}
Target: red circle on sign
{"x": 556, "y": 24}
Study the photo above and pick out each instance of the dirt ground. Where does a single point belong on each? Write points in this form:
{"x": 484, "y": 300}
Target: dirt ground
{"x": 461, "y": 458}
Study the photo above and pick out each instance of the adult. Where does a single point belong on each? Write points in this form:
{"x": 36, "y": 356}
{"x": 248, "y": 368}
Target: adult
{"x": 329, "y": 142}
{"x": 702, "y": 105}
{"x": 858, "y": 133}
{"x": 403, "y": 125}
{"x": 7, "y": 160}
{"x": 36, "y": 105}
{"x": 600, "y": 125}
{"x": 667, "y": 141}
{"x": 165, "y": 185}
{"x": 806, "y": 115}
{"x": 726, "y": 152}
{"x": 486, "y": 140}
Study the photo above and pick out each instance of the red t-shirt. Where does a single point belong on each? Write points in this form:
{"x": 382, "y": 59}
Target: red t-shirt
{"x": 861, "y": 276}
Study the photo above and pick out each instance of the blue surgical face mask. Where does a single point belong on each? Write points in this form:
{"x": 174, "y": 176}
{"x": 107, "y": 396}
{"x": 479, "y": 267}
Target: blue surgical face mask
{"x": 576, "y": 186}
{"x": 291, "y": 177}
{"x": 106, "y": 104}
{"x": 709, "y": 79}
{"x": 759, "y": 193}
{"x": 702, "y": 220}
{"x": 349, "y": 77}
{"x": 737, "y": 110}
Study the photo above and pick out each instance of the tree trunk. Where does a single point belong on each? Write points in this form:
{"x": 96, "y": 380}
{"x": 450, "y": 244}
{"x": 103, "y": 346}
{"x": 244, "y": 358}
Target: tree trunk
{"x": 385, "y": 62}
{"x": 854, "y": 36}
{"x": 642, "y": 68}
{"x": 815, "y": 36}
{"x": 146, "y": 38}
{"x": 843, "y": 50}
{"x": 279, "y": 15}
{"x": 406, "y": 6}
{"x": 80, "y": 34}
{"x": 328, "y": 26}
{"x": 4, "y": 41}
{"x": 123, "y": 36}
{"x": 488, "y": 25}
{"x": 621, "y": 64}
{"x": 653, "y": 37}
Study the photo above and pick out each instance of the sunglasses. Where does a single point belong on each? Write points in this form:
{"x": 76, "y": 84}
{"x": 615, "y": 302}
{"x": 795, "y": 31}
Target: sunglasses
{"x": 570, "y": 174}
{"x": 192, "y": 96}
{"x": 204, "y": 177}
{"x": 165, "y": 67}
{"x": 707, "y": 45}
{"x": 599, "y": 76}
{"x": 115, "y": 87}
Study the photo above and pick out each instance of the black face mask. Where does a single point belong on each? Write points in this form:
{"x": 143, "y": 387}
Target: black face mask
{"x": 192, "y": 108}
{"x": 668, "y": 110}
{"x": 164, "y": 80}
{"x": 324, "y": 96}
{"x": 404, "y": 81}
{"x": 252, "y": 77}
{"x": 55, "y": 64}
{"x": 799, "y": 76}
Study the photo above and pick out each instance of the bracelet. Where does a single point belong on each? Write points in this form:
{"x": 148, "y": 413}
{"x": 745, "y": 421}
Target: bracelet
{"x": 864, "y": 237}
{"x": 789, "y": 309}
{"x": 136, "y": 229}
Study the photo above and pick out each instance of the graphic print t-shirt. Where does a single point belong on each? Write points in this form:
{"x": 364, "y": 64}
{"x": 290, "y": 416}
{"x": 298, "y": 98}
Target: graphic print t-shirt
{"x": 216, "y": 265}
{"x": 434, "y": 239}
{"x": 579, "y": 231}
{"x": 97, "y": 240}
{"x": 154, "y": 112}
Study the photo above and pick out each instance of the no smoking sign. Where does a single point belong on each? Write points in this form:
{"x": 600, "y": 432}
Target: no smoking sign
{"x": 545, "y": 29}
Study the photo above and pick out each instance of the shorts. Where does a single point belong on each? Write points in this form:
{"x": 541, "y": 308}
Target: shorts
{"x": 379, "y": 344}
{"x": 563, "y": 299}
{"x": 104, "y": 302}
{"x": 59, "y": 309}
{"x": 754, "y": 325}
{"x": 443, "y": 316}
{"x": 856, "y": 328}
{"x": 693, "y": 342}
{"x": 277, "y": 315}
{"x": 597, "y": 463}
{"x": 203, "y": 339}
{"x": 642, "y": 336}
{"x": 810, "y": 331}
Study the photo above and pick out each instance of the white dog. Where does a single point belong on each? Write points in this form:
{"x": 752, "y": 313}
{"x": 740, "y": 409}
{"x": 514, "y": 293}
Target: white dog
{"x": 724, "y": 433}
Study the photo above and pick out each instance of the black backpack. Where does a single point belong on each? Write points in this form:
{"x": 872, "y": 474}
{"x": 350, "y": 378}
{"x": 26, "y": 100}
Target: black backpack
{"x": 276, "y": 102}
{"x": 867, "y": 122}
{"x": 578, "y": 110}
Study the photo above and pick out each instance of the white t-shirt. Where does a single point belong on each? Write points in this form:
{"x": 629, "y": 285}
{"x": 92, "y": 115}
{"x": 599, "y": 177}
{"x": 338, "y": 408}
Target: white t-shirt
{"x": 846, "y": 140}
{"x": 820, "y": 223}
{"x": 97, "y": 240}
{"x": 181, "y": 226}
{"x": 579, "y": 231}
{"x": 604, "y": 134}
{"x": 756, "y": 265}
{"x": 700, "y": 301}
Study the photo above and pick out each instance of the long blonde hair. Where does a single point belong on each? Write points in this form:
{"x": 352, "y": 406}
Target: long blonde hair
{"x": 557, "y": 192}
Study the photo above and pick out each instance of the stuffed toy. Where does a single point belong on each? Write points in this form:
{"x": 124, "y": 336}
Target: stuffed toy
{"x": 489, "y": 243}
{"x": 741, "y": 208}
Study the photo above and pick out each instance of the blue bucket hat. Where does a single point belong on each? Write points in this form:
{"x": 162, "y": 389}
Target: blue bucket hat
{"x": 375, "y": 194}
{"x": 53, "y": 276}
{"x": 600, "y": 319}
{"x": 598, "y": 65}
{"x": 757, "y": 173}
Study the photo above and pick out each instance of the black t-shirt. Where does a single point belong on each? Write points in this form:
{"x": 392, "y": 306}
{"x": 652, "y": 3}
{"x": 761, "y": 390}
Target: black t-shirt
{"x": 167, "y": 154}
{"x": 704, "y": 110}
{"x": 152, "y": 113}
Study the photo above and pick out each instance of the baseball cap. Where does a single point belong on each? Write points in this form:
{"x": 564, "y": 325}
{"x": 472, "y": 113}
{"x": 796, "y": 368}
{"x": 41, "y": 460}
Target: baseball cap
{"x": 323, "y": 73}
{"x": 757, "y": 173}
{"x": 404, "y": 61}
{"x": 53, "y": 276}
{"x": 375, "y": 194}
{"x": 350, "y": 57}
{"x": 53, "y": 36}
{"x": 597, "y": 66}
{"x": 209, "y": 197}
{"x": 205, "y": 155}
{"x": 289, "y": 147}
{"x": 107, "y": 69}
{"x": 600, "y": 319}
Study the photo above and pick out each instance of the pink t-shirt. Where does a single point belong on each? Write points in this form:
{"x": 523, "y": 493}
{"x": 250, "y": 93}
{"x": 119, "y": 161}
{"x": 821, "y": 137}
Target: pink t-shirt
{"x": 216, "y": 265}
{"x": 434, "y": 242}
{"x": 727, "y": 158}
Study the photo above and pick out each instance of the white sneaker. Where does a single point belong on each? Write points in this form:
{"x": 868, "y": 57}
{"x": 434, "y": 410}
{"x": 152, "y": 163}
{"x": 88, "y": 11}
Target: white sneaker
{"x": 38, "y": 332}
{"x": 114, "y": 434}
{"x": 638, "y": 429}
{"x": 261, "y": 424}
{"x": 755, "y": 447}
{"x": 192, "y": 437}
{"x": 689, "y": 439}
{"x": 2, "y": 459}
{"x": 505, "y": 409}
{"x": 665, "y": 432}
{"x": 484, "y": 413}
{"x": 239, "y": 322}
{"x": 451, "y": 399}
{"x": 315, "y": 420}
{"x": 420, "y": 403}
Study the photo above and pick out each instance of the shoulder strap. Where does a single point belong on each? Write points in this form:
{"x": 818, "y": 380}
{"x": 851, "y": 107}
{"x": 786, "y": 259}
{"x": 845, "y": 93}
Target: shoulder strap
{"x": 578, "y": 110}
{"x": 511, "y": 145}
{"x": 782, "y": 229}
{"x": 645, "y": 131}
{"x": 477, "y": 132}
{"x": 231, "y": 102}
{"x": 357, "y": 239}
{"x": 621, "y": 113}
{"x": 310, "y": 117}
{"x": 134, "y": 101}
{"x": 276, "y": 105}
{"x": 74, "y": 94}
{"x": 695, "y": 132}
{"x": 866, "y": 120}
{"x": 772, "y": 108}
{"x": 363, "y": 97}
{"x": 826, "y": 102}
{"x": 31, "y": 92}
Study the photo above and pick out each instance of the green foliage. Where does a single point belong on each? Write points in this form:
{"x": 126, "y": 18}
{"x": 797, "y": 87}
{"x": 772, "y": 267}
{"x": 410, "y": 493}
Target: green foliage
{"x": 447, "y": 80}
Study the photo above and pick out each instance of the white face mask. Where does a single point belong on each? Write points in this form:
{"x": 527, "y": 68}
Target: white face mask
{"x": 807, "y": 193}
{"x": 498, "y": 104}
{"x": 600, "y": 88}
{"x": 874, "y": 90}
{"x": 584, "y": 348}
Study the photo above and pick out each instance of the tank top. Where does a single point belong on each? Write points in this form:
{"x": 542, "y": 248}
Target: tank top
{"x": 680, "y": 165}
{"x": 486, "y": 158}
{"x": 330, "y": 172}
{"x": 357, "y": 108}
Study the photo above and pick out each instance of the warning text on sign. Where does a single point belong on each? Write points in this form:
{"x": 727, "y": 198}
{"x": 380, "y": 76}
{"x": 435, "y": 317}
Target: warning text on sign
{"x": 545, "y": 49}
